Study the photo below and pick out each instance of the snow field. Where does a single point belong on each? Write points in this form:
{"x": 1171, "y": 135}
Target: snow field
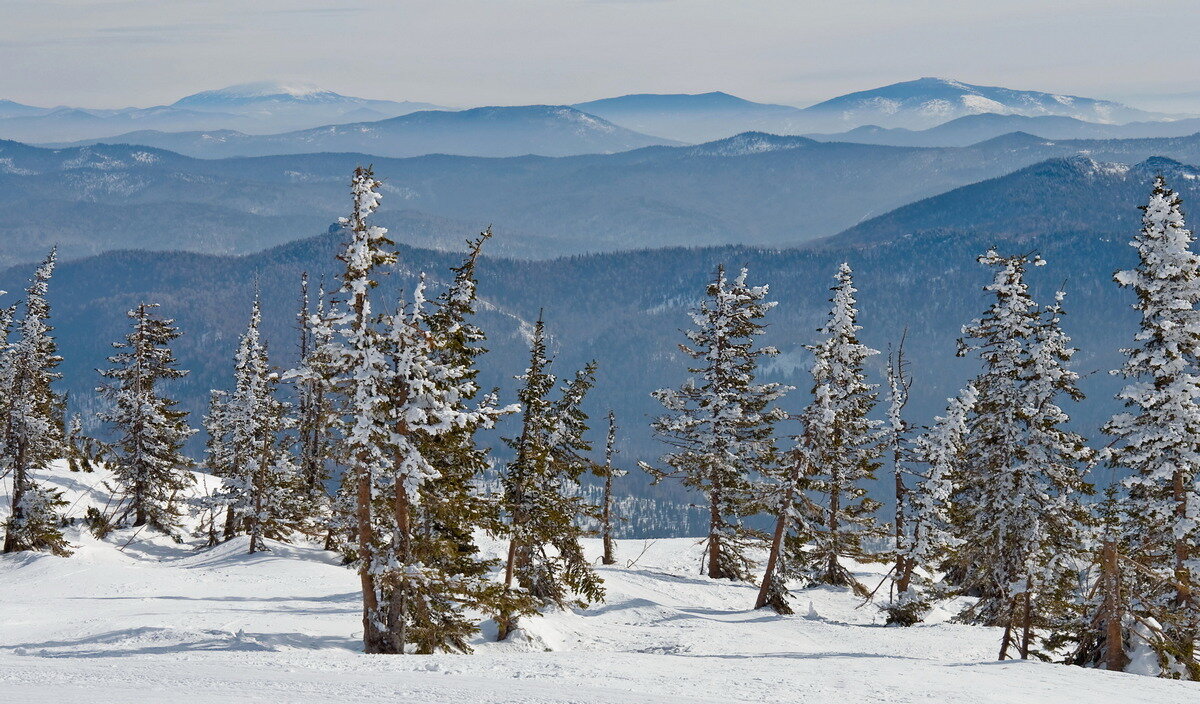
{"x": 139, "y": 618}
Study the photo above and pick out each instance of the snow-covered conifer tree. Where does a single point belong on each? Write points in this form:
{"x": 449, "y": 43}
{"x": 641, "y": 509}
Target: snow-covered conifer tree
{"x": 147, "y": 458}
{"x": 315, "y": 415}
{"x": 451, "y": 506}
{"x": 541, "y": 503}
{"x": 33, "y": 432}
{"x": 1018, "y": 500}
{"x": 260, "y": 483}
{"x": 720, "y": 425}
{"x": 844, "y": 444}
{"x": 1158, "y": 437}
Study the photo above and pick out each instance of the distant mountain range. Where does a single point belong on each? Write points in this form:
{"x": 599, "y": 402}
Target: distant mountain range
{"x": 258, "y": 108}
{"x": 971, "y": 129}
{"x": 752, "y": 189}
{"x": 545, "y": 130}
{"x": 910, "y": 105}
{"x": 272, "y": 118}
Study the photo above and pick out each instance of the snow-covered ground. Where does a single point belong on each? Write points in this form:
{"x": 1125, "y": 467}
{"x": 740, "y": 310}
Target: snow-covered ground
{"x": 137, "y": 618}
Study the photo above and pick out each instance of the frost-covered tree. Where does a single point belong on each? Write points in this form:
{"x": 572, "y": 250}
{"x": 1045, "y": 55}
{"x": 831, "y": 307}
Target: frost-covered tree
{"x": 32, "y": 419}
{"x": 719, "y": 424}
{"x": 147, "y": 457}
{"x": 260, "y": 486}
{"x": 1018, "y": 499}
{"x": 451, "y": 506}
{"x": 315, "y": 415}
{"x": 1158, "y": 437}
{"x": 927, "y": 535}
{"x": 844, "y": 444}
{"x": 795, "y": 515}
{"x": 541, "y": 501}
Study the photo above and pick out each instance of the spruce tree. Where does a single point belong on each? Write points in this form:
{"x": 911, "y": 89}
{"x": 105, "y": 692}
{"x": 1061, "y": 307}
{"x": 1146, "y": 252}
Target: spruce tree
{"x": 844, "y": 444}
{"x": 541, "y": 501}
{"x": 33, "y": 432}
{"x": 315, "y": 416}
{"x": 260, "y": 484}
{"x": 1158, "y": 437}
{"x": 451, "y": 506}
{"x": 147, "y": 458}
{"x": 720, "y": 425}
{"x": 1017, "y": 503}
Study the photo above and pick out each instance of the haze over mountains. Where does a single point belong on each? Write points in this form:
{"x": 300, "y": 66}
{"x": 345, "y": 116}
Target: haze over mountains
{"x": 274, "y": 118}
{"x": 754, "y": 189}
{"x": 256, "y": 108}
{"x": 546, "y": 130}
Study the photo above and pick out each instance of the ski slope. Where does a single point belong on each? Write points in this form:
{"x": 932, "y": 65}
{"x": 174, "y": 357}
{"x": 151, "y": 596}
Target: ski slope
{"x": 138, "y": 618}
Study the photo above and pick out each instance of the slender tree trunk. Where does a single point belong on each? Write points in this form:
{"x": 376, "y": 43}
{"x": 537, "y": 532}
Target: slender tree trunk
{"x": 230, "y": 523}
{"x": 610, "y": 556}
{"x": 903, "y": 568}
{"x": 1112, "y": 609}
{"x": 20, "y": 487}
{"x": 715, "y": 568}
{"x": 374, "y": 638}
{"x": 505, "y": 620}
{"x": 776, "y": 546}
{"x": 832, "y": 574}
{"x": 398, "y": 602}
{"x": 1026, "y": 623}
{"x": 1007, "y": 638}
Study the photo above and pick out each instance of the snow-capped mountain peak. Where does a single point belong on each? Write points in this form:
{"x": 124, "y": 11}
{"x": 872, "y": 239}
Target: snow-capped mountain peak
{"x": 929, "y": 101}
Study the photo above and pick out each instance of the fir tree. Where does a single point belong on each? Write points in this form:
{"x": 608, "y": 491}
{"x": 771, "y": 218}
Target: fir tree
{"x": 260, "y": 483}
{"x": 844, "y": 444}
{"x": 720, "y": 426}
{"x": 451, "y": 507}
{"x": 542, "y": 505}
{"x": 147, "y": 458}
{"x": 33, "y": 432}
{"x": 1018, "y": 501}
{"x": 1158, "y": 438}
{"x": 315, "y": 415}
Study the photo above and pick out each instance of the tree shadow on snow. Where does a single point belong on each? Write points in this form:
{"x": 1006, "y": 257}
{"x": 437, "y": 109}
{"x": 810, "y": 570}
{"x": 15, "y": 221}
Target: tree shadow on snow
{"x": 149, "y": 640}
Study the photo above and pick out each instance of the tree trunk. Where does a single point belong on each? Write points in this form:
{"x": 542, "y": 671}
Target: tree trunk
{"x": 20, "y": 486}
{"x": 375, "y": 640}
{"x": 832, "y": 573}
{"x": 610, "y": 557}
{"x": 1026, "y": 624}
{"x": 506, "y": 621}
{"x": 776, "y": 546}
{"x": 715, "y": 570}
{"x": 1112, "y": 609}
{"x": 398, "y": 601}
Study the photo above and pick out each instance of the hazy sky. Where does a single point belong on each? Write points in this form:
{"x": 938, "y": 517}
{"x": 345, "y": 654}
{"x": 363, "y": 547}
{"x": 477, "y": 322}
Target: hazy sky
{"x": 96, "y": 53}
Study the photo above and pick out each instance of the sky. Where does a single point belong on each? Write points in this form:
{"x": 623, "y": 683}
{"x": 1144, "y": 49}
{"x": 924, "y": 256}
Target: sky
{"x": 459, "y": 53}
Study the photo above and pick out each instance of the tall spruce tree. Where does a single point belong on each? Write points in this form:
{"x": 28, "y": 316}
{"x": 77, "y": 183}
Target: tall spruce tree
{"x": 33, "y": 432}
{"x": 261, "y": 488}
{"x": 720, "y": 426}
{"x": 147, "y": 458}
{"x": 844, "y": 444}
{"x": 451, "y": 506}
{"x": 1017, "y": 502}
{"x": 541, "y": 500}
{"x": 315, "y": 415}
{"x": 1158, "y": 437}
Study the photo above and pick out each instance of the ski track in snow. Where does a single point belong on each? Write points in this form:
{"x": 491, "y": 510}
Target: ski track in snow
{"x": 158, "y": 621}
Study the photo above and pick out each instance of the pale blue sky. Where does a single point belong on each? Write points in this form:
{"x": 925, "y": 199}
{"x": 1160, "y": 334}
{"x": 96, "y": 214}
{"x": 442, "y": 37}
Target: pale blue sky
{"x": 111, "y": 53}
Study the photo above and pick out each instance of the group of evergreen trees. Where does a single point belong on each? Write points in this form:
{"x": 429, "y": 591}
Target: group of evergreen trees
{"x": 993, "y": 499}
{"x": 371, "y": 446}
